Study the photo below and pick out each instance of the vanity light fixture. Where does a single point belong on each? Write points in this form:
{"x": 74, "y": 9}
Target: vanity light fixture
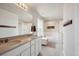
{"x": 22, "y": 5}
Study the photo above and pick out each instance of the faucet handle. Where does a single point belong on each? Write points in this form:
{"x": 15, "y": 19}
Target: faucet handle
{"x": 6, "y": 40}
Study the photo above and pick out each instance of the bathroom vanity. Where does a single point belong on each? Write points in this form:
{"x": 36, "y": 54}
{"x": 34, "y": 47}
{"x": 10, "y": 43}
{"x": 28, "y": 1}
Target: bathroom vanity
{"x": 22, "y": 45}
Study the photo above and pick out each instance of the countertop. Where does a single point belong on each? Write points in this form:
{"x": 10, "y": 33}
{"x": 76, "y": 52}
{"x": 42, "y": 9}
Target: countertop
{"x": 14, "y": 42}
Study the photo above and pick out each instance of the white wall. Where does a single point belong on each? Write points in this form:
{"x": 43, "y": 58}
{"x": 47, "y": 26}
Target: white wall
{"x": 10, "y": 19}
{"x": 68, "y": 31}
{"x": 24, "y": 27}
{"x": 40, "y": 28}
{"x": 52, "y": 34}
{"x": 76, "y": 30}
{"x": 51, "y": 23}
{"x": 50, "y": 10}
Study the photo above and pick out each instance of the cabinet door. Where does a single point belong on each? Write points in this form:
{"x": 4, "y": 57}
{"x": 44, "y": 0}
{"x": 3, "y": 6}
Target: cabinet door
{"x": 33, "y": 47}
{"x": 17, "y": 51}
{"x": 38, "y": 46}
{"x": 33, "y": 54}
{"x": 13, "y": 52}
{"x": 26, "y": 52}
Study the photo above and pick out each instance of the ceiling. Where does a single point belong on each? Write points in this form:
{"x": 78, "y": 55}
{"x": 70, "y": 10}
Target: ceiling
{"x": 48, "y": 11}
{"x": 23, "y": 15}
